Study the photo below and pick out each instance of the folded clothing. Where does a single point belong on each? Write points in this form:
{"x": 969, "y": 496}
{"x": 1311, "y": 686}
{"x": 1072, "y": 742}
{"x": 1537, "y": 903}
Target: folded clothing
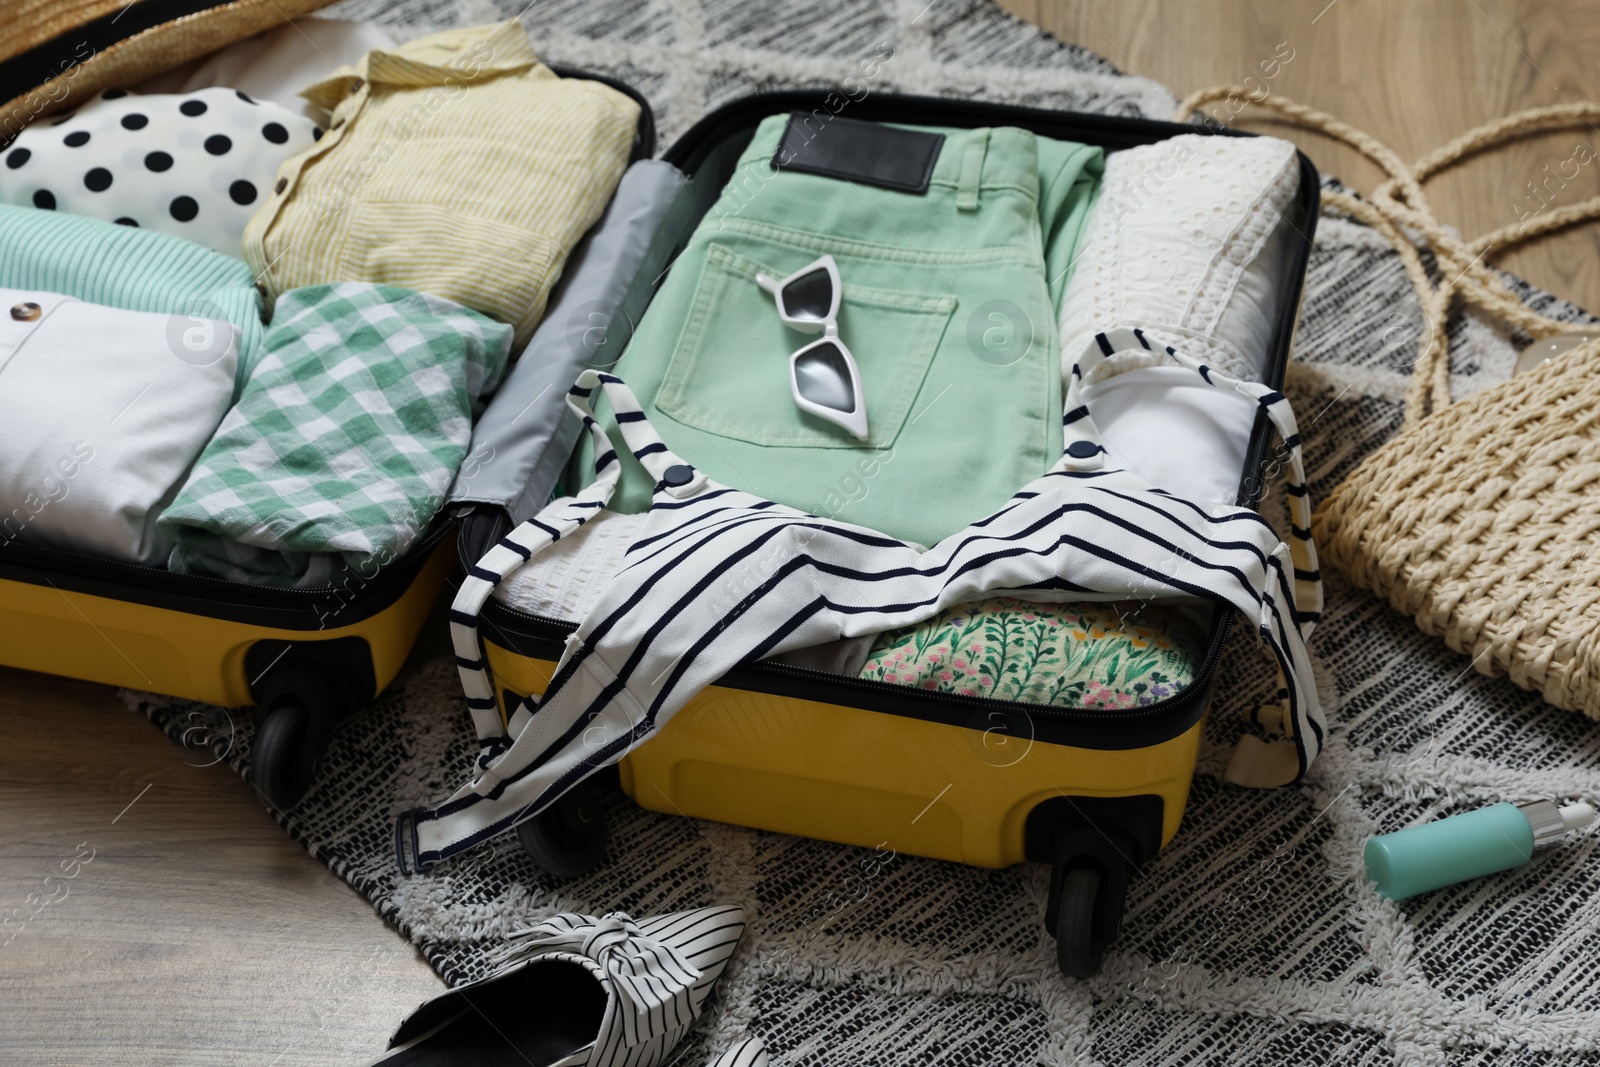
{"x": 1187, "y": 242}
{"x": 456, "y": 164}
{"x": 136, "y": 270}
{"x": 1114, "y": 655}
{"x": 277, "y": 64}
{"x": 566, "y": 581}
{"x": 195, "y": 165}
{"x": 101, "y": 414}
{"x": 945, "y": 304}
{"x": 349, "y": 431}
{"x": 1177, "y": 431}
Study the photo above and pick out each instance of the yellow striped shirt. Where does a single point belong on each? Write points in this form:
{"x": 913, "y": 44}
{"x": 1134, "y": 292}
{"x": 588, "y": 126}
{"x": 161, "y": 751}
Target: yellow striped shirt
{"x": 456, "y": 164}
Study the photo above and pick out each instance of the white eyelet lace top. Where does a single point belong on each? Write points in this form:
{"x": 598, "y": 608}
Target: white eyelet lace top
{"x": 1185, "y": 243}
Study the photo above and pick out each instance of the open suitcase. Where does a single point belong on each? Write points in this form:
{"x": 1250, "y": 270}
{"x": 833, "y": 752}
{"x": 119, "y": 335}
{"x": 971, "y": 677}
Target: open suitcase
{"x": 772, "y": 746}
{"x": 305, "y": 657}
{"x": 799, "y": 751}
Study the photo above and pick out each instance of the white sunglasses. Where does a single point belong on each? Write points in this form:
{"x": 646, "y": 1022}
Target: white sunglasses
{"x": 822, "y": 375}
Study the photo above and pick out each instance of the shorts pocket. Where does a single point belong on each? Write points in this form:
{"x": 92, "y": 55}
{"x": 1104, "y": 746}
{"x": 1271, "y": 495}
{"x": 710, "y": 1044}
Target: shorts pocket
{"x": 729, "y": 373}
{"x": 492, "y": 267}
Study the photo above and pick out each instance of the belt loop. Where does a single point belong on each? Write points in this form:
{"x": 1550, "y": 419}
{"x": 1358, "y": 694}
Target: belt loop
{"x": 972, "y": 170}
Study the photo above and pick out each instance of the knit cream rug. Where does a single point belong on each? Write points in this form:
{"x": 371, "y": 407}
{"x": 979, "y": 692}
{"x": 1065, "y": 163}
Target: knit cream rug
{"x": 1253, "y": 938}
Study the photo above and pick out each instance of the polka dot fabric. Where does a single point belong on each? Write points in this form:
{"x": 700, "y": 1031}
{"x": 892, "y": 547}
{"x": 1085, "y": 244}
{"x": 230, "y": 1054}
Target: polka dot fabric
{"x": 194, "y": 165}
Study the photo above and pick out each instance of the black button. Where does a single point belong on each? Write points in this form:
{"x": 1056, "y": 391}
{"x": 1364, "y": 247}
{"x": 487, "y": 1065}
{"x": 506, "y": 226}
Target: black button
{"x": 678, "y": 474}
{"x": 1083, "y": 450}
{"x": 283, "y": 183}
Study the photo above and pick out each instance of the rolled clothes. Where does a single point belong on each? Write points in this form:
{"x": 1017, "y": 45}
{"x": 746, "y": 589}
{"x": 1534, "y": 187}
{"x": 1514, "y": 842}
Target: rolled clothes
{"x": 101, "y": 416}
{"x": 455, "y": 164}
{"x": 193, "y": 165}
{"x": 945, "y": 304}
{"x": 1061, "y": 655}
{"x": 136, "y": 270}
{"x": 349, "y": 431}
{"x": 1187, "y": 242}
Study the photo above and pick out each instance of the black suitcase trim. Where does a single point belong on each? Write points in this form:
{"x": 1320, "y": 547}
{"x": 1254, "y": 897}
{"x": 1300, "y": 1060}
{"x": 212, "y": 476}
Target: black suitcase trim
{"x": 540, "y": 638}
{"x": 324, "y": 608}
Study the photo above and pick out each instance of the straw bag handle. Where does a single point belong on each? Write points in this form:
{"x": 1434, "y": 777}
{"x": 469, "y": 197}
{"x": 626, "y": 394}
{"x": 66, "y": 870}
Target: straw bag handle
{"x": 1399, "y": 201}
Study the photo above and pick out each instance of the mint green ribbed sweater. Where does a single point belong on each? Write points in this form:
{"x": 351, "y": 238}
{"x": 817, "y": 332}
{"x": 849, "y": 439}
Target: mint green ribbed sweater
{"x": 130, "y": 268}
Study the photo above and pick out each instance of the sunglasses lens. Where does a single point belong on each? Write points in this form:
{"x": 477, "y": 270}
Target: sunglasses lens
{"x": 809, "y": 296}
{"x": 822, "y": 376}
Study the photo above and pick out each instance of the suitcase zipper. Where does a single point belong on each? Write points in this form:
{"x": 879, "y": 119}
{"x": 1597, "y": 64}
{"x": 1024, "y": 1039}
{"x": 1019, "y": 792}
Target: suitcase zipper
{"x": 1064, "y": 716}
{"x": 96, "y": 568}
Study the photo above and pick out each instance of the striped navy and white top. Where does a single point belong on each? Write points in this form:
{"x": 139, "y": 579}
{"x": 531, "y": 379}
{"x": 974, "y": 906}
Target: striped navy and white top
{"x": 718, "y": 576}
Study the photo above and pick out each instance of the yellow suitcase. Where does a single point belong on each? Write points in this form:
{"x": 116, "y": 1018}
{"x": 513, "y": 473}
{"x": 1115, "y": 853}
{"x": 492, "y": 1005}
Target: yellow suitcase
{"x": 306, "y": 657}
{"x": 982, "y": 782}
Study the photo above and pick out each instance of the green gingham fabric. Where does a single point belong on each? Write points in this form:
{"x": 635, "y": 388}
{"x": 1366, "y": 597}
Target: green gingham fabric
{"x": 344, "y": 440}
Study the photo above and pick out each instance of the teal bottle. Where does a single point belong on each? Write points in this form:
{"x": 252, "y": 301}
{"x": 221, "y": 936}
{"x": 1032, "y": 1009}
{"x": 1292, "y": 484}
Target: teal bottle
{"x": 1470, "y": 845}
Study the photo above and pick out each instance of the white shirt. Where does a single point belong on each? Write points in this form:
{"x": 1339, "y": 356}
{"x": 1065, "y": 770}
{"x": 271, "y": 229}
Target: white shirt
{"x": 102, "y": 412}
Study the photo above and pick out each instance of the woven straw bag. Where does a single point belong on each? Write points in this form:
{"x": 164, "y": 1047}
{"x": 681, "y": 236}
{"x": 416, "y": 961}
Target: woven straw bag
{"x": 1480, "y": 519}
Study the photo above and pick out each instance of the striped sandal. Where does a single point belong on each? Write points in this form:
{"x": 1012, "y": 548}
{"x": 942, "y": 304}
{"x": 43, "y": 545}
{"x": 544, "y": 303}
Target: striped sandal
{"x": 577, "y": 991}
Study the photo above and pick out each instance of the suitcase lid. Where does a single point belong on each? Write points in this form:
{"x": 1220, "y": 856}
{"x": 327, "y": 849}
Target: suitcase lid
{"x": 55, "y": 53}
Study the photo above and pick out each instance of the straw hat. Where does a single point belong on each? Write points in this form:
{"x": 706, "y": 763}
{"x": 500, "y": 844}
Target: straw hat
{"x": 56, "y": 53}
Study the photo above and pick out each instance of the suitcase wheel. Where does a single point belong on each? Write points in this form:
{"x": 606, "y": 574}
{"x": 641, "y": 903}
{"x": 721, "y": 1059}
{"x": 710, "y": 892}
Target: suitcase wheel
{"x": 1094, "y": 845}
{"x": 569, "y": 838}
{"x": 293, "y": 734}
{"x": 1080, "y": 943}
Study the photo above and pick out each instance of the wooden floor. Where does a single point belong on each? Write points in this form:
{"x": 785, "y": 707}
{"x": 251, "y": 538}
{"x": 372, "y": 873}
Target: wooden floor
{"x": 194, "y": 932}
{"x": 158, "y": 916}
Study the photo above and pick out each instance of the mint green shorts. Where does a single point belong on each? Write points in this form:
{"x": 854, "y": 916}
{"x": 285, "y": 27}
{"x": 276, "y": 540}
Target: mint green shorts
{"x": 948, "y": 306}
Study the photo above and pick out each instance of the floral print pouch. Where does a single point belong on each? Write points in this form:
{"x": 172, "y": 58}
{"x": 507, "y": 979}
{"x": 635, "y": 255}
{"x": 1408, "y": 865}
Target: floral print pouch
{"x": 1063, "y": 655}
